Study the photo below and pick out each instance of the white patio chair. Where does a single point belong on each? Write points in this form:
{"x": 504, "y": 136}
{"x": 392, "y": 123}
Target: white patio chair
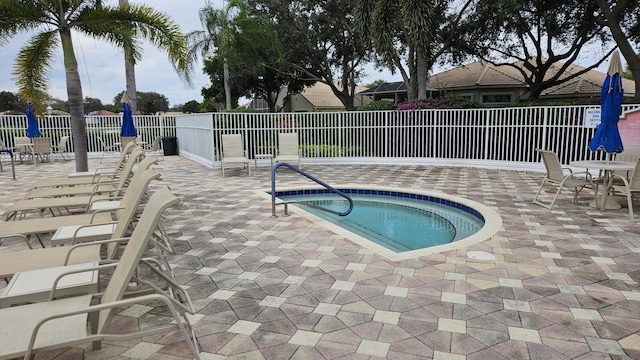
{"x": 288, "y": 149}
{"x": 233, "y": 152}
{"x": 61, "y": 148}
{"x": 630, "y": 188}
{"x": 556, "y": 176}
{"x": 105, "y": 148}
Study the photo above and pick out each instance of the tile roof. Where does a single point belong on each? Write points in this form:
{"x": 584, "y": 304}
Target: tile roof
{"x": 321, "y": 96}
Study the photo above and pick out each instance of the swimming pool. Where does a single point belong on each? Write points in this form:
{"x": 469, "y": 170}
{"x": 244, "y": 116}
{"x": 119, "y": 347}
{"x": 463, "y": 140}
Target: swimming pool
{"x": 400, "y": 223}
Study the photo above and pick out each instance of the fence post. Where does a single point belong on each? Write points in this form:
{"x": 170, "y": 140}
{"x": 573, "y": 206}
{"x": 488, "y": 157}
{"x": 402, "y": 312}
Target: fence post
{"x": 545, "y": 125}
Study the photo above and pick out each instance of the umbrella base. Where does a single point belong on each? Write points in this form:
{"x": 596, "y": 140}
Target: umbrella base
{"x": 612, "y": 204}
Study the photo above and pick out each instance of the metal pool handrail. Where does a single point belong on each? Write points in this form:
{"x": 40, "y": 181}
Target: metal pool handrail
{"x": 308, "y": 176}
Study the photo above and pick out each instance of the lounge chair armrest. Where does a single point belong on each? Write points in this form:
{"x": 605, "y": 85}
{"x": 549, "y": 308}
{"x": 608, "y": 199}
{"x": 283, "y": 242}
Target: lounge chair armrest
{"x": 93, "y": 243}
{"x": 54, "y": 287}
{"x": 100, "y": 211}
{"x": 22, "y": 236}
{"x": 75, "y": 233}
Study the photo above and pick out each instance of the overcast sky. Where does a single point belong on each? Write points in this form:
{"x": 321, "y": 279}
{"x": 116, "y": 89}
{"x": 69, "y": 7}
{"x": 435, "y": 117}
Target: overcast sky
{"x": 101, "y": 66}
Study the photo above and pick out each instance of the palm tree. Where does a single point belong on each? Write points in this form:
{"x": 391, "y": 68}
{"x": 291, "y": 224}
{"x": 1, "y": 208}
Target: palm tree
{"x": 226, "y": 28}
{"x": 54, "y": 21}
{"x": 130, "y": 74}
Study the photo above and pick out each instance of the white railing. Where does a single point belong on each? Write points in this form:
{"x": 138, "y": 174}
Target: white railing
{"x": 106, "y": 127}
{"x": 503, "y": 138}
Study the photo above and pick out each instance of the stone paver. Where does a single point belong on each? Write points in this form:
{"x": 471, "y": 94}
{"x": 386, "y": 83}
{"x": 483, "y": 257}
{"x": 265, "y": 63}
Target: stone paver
{"x": 563, "y": 284}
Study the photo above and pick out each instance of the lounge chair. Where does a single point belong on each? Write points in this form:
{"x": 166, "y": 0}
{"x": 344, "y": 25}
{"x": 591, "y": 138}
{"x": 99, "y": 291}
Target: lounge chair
{"x": 87, "y": 177}
{"x": 71, "y": 204}
{"x": 22, "y": 260}
{"x": 556, "y": 176}
{"x": 88, "y": 189}
{"x": 630, "y": 188}
{"x": 233, "y": 152}
{"x": 61, "y": 148}
{"x": 29, "y": 329}
{"x": 288, "y": 150}
{"x": 105, "y": 148}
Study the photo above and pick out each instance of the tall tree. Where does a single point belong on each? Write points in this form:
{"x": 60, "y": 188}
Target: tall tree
{"x": 622, "y": 17}
{"x": 539, "y": 38}
{"x": 130, "y": 73}
{"x": 320, "y": 42}
{"x": 223, "y": 29}
{"x": 412, "y": 36}
{"x": 53, "y": 22}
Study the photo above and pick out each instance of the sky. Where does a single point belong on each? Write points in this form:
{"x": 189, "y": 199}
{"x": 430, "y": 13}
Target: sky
{"x": 101, "y": 66}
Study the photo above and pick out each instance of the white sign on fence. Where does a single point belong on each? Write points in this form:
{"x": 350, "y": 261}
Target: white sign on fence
{"x": 592, "y": 118}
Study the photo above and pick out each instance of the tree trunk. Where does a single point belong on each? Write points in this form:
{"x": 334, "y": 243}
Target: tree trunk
{"x": 613, "y": 18}
{"x": 76, "y": 106}
{"x": 227, "y": 85}
{"x": 130, "y": 74}
{"x": 422, "y": 72}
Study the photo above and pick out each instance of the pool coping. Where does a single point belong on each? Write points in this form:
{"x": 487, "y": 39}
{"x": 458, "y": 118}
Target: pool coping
{"x": 493, "y": 221}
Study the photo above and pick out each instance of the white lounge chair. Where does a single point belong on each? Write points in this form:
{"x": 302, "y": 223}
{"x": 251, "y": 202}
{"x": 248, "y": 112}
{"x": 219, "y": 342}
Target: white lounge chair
{"x": 233, "y": 152}
{"x": 29, "y": 329}
{"x": 288, "y": 149}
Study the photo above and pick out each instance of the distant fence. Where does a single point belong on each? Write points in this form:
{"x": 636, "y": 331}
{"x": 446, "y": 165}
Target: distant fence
{"x": 106, "y": 127}
{"x": 495, "y": 138}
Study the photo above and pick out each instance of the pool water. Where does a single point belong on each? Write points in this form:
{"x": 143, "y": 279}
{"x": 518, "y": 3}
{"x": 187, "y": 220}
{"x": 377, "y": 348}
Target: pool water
{"x": 399, "y": 224}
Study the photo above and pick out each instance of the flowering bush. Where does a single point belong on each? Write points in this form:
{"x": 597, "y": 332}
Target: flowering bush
{"x": 438, "y": 103}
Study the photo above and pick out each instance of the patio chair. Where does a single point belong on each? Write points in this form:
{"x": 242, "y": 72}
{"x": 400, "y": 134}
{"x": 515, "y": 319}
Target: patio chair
{"x": 23, "y": 147}
{"x": 44, "y": 326}
{"x": 155, "y": 149}
{"x": 41, "y": 206}
{"x": 288, "y": 150}
{"x": 556, "y": 176}
{"x": 41, "y": 149}
{"x": 61, "y": 148}
{"x": 23, "y": 260}
{"x": 233, "y": 152}
{"x": 105, "y": 148}
{"x": 630, "y": 188}
{"x": 88, "y": 189}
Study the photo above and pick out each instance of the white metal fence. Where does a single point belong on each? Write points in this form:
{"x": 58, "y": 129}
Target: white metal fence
{"x": 494, "y": 138}
{"x": 105, "y": 127}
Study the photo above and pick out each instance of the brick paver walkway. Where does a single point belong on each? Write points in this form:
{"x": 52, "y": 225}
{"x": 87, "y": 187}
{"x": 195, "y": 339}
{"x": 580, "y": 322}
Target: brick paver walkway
{"x": 564, "y": 284}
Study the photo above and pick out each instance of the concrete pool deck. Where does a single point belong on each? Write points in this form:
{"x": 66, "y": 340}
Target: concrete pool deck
{"x": 564, "y": 284}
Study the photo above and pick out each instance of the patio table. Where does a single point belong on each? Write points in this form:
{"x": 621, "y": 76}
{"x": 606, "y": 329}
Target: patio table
{"x": 607, "y": 167}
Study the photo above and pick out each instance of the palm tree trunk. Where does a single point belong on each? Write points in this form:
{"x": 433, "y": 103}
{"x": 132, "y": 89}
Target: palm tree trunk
{"x": 130, "y": 74}
{"x": 76, "y": 107}
{"x": 422, "y": 73}
{"x": 227, "y": 85}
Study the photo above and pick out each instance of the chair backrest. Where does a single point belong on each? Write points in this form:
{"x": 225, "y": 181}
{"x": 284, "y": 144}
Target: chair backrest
{"x": 42, "y": 145}
{"x": 137, "y": 244}
{"x": 2, "y": 145}
{"x": 288, "y": 144}
{"x": 552, "y": 164}
{"x": 634, "y": 182}
{"x": 232, "y": 146}
{"x": 127, "y": 172}
{"x": 124, "y": 141}
{"x": 20, "y": 142}
{"x": 62, "y": 144}
{"x": 132, "y": 198}
{"x": 156, "y": 143}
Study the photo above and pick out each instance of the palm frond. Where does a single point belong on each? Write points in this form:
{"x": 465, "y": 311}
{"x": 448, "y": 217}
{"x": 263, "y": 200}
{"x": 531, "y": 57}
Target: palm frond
{"x": 18, "y": 16}
{"x": 32, "y": 69}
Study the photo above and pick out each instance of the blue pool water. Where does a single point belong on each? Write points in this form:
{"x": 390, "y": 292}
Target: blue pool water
{"x": 398, "y": 222}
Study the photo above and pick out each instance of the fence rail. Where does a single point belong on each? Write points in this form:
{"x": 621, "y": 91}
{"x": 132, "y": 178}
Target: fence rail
{"x": 105, "y": 127}
{"x": 497, "y": 138}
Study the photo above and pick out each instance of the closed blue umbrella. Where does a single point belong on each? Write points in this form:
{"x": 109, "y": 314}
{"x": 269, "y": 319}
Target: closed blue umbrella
{"x": 128, "y": 127}
{"x": 607, "y": 136}
{"x": 32, "y": 122}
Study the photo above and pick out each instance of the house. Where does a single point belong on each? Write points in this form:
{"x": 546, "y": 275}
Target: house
{"x": 315, "y": 98}
{"x": 486, "y": 83}
{"x": 99, "y": 117}
{"x": 489, "y": 84}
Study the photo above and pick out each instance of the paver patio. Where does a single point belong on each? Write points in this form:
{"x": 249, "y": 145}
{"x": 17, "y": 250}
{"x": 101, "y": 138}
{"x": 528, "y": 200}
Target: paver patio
{"x": 564, "y": 284}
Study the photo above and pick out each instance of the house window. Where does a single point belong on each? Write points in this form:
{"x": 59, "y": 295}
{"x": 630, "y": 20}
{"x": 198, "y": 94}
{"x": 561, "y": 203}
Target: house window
{"x": 496, "y": 98}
